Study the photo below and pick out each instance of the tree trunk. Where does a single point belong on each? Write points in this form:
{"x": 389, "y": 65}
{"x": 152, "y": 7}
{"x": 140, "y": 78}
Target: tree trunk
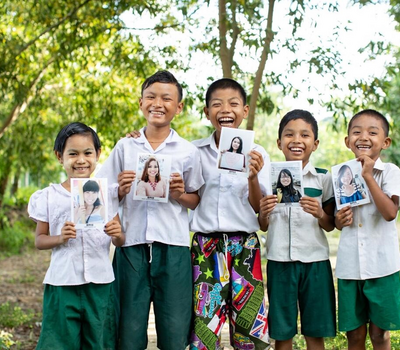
{"x": 269, "y": 35}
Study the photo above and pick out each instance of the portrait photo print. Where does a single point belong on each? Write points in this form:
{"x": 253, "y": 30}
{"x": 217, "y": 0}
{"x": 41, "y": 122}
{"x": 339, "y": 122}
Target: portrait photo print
{"x": 89, "y": 205}
{"x": 152, "y": 177}
{"x": 349, "y": 185}
{"x": 287, "y": 182}
{"x": 234, "y": 147}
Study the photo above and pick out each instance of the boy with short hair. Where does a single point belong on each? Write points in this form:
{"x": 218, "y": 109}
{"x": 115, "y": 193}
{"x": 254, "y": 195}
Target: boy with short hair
{"x": 299, "y": 273}
{"x": 154, "y": 263}
{"x": 368, "y": 260}
{"x": 225, "y": 248}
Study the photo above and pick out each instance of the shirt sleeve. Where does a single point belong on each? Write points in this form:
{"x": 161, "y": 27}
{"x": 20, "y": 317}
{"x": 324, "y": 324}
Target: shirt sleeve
{"x": 390, "y": 184}
{"x": 193, "y": 175}
{"x": 327, "y": 188}
{"x": 37, "y": 206}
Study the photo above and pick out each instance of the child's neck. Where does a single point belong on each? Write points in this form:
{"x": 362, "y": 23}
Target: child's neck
{"x": 67, "y": 185}
{"x": 156, "y": 136}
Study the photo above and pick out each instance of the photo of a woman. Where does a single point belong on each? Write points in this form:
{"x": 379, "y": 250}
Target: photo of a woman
{"x": 233, "y": 158}
{"x": 92, "y": 211}
{"x": 348, "y": 190}
{"x": 151, "y": 184}
{"x": 285, "y": 189}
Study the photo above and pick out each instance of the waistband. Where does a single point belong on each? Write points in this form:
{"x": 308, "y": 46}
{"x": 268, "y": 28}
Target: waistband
{"x": 224, "y": 234}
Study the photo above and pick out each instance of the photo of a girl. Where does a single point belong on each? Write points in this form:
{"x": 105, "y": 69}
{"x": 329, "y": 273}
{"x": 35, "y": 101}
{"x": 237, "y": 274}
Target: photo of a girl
{"x": 90, "y": 210}
{"x": 151, "y": 184}
{"x": 348, "y": 189}
{"x": 285, "y": 189}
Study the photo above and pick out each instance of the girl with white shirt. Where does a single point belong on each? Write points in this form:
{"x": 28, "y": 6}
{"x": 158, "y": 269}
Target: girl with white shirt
{"x": 78, "y": 283}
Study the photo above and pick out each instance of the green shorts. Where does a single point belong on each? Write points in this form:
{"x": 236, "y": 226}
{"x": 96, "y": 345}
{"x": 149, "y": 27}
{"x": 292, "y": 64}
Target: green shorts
{"x": 376, "y": 300}
{"x": 304, "y": 287}
{"x": 157, "y": 273}
{"x": 76, "y": 317}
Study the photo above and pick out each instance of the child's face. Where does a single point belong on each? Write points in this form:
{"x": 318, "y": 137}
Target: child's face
{"x": 297, "y": 141}
{"x": 79, "y": 158}
{"x": 160, "y": 103}
{"x": 226, "y": 109}
{"x": 367, "y": 136}
{"x": 90, "y": 197}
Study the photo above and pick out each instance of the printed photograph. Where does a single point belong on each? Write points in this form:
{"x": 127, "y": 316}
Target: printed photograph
{"x": 152, "y": 177}
{"x": 89, "y": 202}
{"x": 234, "y": 147}
{"x": 287, "y": 182}
{"x": 349, "y": 185}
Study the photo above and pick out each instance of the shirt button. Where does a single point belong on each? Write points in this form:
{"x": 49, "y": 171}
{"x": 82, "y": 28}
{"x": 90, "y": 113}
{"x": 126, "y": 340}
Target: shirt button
{"x": 359, "y": 225}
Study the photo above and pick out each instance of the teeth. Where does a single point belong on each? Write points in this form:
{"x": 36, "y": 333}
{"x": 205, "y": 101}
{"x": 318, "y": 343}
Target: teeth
{"x": 363, "y": 147}
{"x": 295, "y": 149}
{"x": 225, "y": 120}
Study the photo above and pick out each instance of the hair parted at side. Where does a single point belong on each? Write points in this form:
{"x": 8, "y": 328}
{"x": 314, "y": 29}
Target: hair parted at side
{"x": 165, "y": 77}
{"x": 222, "y": 84}
{"x": 373, "y": 113}
{"x": 299, "y": 114}
{"x": 75, "y": 128}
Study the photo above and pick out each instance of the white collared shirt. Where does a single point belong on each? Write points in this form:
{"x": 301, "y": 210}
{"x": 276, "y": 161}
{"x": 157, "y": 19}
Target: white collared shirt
{"x": 82, "y": 260}
{"x": 369, "y": 248}
{"x": 146, "y": 221}
{"x": 224, "y": 204}
{"x": 293, "y": 234}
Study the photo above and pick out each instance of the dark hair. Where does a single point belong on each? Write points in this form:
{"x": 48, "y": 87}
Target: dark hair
{"x": 163, "y": 76}
{"x": 372, "y": 113}
{"x": 298, "y": 114}
{"x": 222, "y": 84}
{"x": 75, "y": 128}
{"x": 341, "y": 171}
{"x": 145, "y": 176}
{"x": 239, "y": 150}
{"x": 92, "y": 186}
{"x": 289, "y": 188}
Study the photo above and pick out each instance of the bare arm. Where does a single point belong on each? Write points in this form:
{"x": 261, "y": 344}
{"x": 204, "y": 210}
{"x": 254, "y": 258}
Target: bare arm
{"x": 255, "y": 165}
{"x": 267, "y": 205}
{"x": 324, "y": 215}
{"x": 44, "y": 241}
{"x": 388, "y": 207}
{"x": 177, "y": 192}
{"x": 114, "y": 230}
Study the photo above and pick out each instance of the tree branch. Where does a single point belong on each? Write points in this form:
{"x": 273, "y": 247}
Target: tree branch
{"x": 55, "y": 25}
{"x": 21, "y": 106}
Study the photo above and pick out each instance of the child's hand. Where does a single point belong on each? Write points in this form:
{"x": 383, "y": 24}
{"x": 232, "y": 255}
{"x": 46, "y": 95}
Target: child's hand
{"x": 176, "y": 186}
{"x": 113, "y": 229}
{"x": 367, "y": 165}
{"x": 135, "y": 134}
{"x": 125, "y": 180}
{"x": 67, "y": 232}
{"x": 256, "y": 163}
{"x": 268, "y": 204}
{"x": 312, "y": 206}
{"x": 344, "y": 217}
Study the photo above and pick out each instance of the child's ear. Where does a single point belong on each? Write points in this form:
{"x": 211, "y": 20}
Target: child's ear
{"x": 205, "y": 110}
{"x": 278, "y": 142}
{"x": 59, "y": 157}
{"x": 98, "y": 154}
{"x": 316, "y": 144}
{"x": 179, "y": 108}
{"x": 386, "y": 143}
{"x": 346, "y": 142}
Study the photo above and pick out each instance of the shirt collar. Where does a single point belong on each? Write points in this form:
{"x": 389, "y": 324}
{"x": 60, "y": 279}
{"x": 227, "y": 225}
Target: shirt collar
{"x": 209, "y": 141}
{"x": 309, "y": 169}
{"x": 172, "y": 137}
{"x": 379, "y": 165}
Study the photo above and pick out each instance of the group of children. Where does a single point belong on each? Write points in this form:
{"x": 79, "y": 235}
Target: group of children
{"x": 196, "y": 286}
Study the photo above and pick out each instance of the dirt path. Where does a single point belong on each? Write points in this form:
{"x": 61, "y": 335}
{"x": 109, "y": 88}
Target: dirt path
{"x": 21, "y": 280}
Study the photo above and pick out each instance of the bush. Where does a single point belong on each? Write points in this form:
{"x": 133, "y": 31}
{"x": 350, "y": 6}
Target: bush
{"x": 5, "y": 340}
{"x": 14, "y": 238}
{"x": 12, "y": 316}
